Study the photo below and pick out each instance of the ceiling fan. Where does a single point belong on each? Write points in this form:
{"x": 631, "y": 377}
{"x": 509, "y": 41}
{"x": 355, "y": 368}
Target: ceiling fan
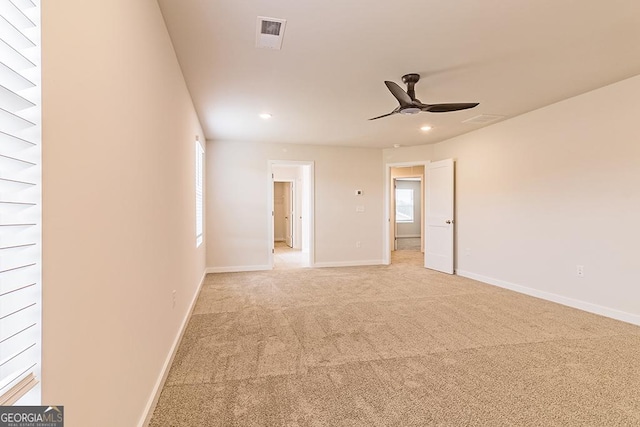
{"x": 410, "y": 105}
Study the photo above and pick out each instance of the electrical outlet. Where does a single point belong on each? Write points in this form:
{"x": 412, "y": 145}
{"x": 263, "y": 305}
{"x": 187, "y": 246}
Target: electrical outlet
{"x": 173, "y": 298}
{"x": 358, "y": 244}
{"x": 580, "y": 270}
{"x": 467, "y": 251}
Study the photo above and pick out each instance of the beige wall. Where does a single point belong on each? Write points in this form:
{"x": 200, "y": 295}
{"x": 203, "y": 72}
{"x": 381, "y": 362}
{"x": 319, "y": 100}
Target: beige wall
{"x": 119, "y": 222}
{"x": 539, "y": 194}
{"x": 408, "y": 154}
{"x": 238, "y": 220}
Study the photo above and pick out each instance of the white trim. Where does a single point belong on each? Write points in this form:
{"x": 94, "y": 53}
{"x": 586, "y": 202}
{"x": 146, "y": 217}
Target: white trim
{"x": 238, "y": 268}
{"x": 164, "y": 373}
{"x": 548, "y": 296}
{"x": 349, "y": 263}
{"x": 407, "y": 236}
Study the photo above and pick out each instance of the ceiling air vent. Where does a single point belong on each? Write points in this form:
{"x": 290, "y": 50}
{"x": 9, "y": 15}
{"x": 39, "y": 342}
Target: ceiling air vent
{"x": 269, "y": 32}
{"x": 483, "y": 119}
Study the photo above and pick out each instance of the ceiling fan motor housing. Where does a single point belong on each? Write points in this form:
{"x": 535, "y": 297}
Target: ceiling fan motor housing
{"x": 410, "y": 80}
{"x": 410, "y": 110}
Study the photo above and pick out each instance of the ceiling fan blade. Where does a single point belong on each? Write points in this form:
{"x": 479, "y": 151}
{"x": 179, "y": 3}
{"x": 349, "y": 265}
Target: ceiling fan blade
{"x": 385, "y": 115}
{"x": 444, "y": 108}
{"x": 403, "y": 98}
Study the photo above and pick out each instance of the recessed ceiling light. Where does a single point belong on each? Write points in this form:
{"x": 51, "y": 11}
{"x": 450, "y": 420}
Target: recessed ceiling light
{"x": 396, "y": 145}
{"x": 265, "y": 116}
{"x": 425, "y": 128}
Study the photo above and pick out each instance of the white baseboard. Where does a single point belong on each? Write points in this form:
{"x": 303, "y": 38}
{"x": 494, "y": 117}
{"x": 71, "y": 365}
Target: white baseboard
{"x": 238, "y": 268}
{"x": 580, "y": 305}
{"x": 407, "y": 236}
{"x": 348, "y": 263}
{"x": 157, "y": 389}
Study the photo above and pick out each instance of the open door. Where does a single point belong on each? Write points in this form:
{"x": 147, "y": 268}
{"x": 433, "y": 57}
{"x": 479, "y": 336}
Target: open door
{"x": 288, "y": 212}
{"x": 394, "y": 223}
{"x": 438, "y": 253}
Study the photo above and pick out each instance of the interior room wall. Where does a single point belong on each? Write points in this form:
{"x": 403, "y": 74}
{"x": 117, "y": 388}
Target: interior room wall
{"x": 237, "y": 190}
{"x": 545, "y": 192}
{"x": 118, "y": 207}
{"x": 416, "y": 153}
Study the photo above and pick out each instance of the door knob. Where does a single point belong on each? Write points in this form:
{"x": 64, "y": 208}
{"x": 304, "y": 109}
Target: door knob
{"x": 449, "y": 221}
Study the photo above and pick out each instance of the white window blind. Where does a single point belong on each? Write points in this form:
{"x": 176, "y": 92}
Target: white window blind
{"x": 20, "y": 197}
{"x": 404, "y": 205}
{"x": 199, "y": 186}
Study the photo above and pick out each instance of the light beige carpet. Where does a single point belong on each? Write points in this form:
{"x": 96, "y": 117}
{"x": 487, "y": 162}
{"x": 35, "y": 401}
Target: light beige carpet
{"x": 408, "y": 243}
{"x": 395, "y": 345}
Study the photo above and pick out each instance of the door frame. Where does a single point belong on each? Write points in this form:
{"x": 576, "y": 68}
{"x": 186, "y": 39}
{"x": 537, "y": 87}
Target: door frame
{"x": 310, "y": 227}
{"x": 388, "y": 182}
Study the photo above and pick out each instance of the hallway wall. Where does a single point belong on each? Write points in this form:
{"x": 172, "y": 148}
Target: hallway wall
{"x": 118, "y": 207}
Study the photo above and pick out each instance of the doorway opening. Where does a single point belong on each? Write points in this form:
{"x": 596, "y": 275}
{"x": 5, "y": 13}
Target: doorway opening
{"x": 406, "y": 212}
{"x": 409, "y": 217}
{"x": 283, "y": 212}
{"x": 437, "y": 217}
{"x": 291, "y": 231}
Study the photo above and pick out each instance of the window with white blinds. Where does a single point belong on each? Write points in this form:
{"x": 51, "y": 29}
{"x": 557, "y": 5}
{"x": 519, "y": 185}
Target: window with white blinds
{"x": 199, "y": 197}
{"x": 20, "y": 207}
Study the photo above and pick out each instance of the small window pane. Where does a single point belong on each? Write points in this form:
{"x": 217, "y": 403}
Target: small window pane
{"x": 404, "y": 205}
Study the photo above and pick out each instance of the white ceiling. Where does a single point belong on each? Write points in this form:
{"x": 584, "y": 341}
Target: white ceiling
{"x": 512, "y": 56}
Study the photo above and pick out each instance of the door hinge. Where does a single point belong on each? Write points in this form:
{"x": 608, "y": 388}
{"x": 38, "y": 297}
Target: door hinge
{"x": 273, "y": 251}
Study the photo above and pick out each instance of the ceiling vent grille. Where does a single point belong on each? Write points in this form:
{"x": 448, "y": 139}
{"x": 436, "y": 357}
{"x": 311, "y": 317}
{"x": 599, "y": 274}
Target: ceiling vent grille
{"x": 483, "y": 119}
{"x": 269, "y": 32}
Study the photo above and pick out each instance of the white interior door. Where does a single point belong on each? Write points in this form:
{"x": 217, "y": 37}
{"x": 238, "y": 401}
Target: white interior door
{"x": 438, "y": 253}
{"x": 288, "y": 212}
{"x": 394, "y": 225}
